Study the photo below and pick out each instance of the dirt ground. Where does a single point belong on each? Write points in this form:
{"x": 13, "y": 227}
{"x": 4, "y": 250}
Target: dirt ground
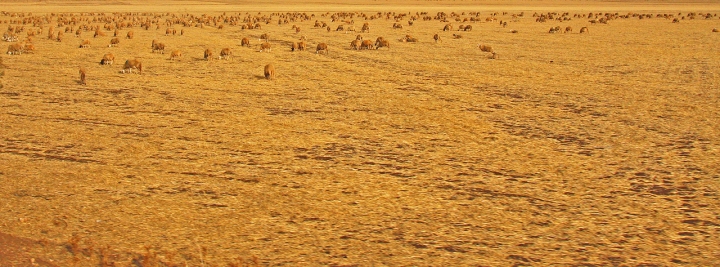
{"x": 569, "y": 149}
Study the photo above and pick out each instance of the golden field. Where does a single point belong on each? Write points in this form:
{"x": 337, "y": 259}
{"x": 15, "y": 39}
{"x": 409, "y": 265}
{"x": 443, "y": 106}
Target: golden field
{"x": 569, "y": 149}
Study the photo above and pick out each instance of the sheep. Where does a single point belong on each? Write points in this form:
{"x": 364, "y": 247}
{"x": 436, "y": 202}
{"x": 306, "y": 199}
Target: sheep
{"x": 321, "y": 48}
{"x": 225, "y": 53}
{"x": 160, "y": 47}
{"x": 265, "y": 46}
{"x": 176, "y": 54}
{"x": 367, "y": 44}
{"x": 83, "y": 72}
{"x": 208, "y": 54}
{"x": 114, "y": 42}
{"x": 485, "y": 48}
{"x": 132, "y": 64}
{"x": 107, "y": 59}
{"x": 85, "y": 43}
{"x": 269, "y": 72}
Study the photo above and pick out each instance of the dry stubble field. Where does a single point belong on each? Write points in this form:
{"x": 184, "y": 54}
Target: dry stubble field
{"x": 569, "y": 150}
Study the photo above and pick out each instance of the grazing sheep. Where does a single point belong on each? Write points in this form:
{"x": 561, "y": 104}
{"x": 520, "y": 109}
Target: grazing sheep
{"x": 85, "y": 43}
{"x": 208, "y": 54}
{"x": 176, "y": 54}
{"x": 130, "y": 35}
{"x": 457, "y": 36}
{"x": 485, "y": 48}
{"x": 269, "y": 72}
{"x": 265, "y": 37}
{"x": 15, "y": 49}
{"x": 382, "y": 43}
{"x": 367, "y": 44}
{"x": 293, "y": 47}
{"x": 132, "y": 64}
{"x": 715, "y": 30}
{"x": 98, "y": 32}
{"x": 355, "y": 44}
{"x": 448, "y": 27}
{"x": 225, "y": 53}
{"x": 29, "y": 48}
{"x": 107, "y": 59}
{"x": 302, "y": 46}
{"x": 584, "y": 30}
{"x": 265, "y": 47}
{"x": 160, "y": 47}
{"x": 568, "y": 29}
{"x": 114, "y": 42}
{"x": 436, "y": 37}
{"x": 245, "y": 42}
{"x": 321, "y": 48}
{"x": 83, "y": 72}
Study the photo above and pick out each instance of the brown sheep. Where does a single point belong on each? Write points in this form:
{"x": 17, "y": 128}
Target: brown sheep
{"x": 107, "y": 59}
{"x": 302, "y": 46}
{"x": 225, "y": 53}
{"x": 485, "y": 48}
{"x": 365, "y": 27}
{"x": 265, "y": 47}
{"x": 130, "y": 35}
{"x": 176, "y": 54}
{"x": 265, "y": 37}
{"x": 355, "y": 44}
{"x": 160, "y": 47}
{"x": 29, "y": 48}
{"x": 245, "y": 42}
{"x": 114, "y": 42}
{"x": 78, "y": 32}
{"x": 437, "y": 38}
{"x": 98, "y": 32}
{"x": 293, "y": 47}
{"x": 169, "y": 31}
{"x": 132, "y": 64}
{"x": 115, "y": 34}
{"x": 382, "y": 43}
{"x": 208, "y": 54}
{"x": 457, "y": 36}
{"x": 15, "y": 49}
{"x": 83, "y": 72}
{"x": 715, "y": 30}
{"x": 584, "y": 30}
{"x": 358, "y": 37}
{"x": 568, "y": 29}
{"x": 321, "y": 48}
{"x": 367, "y": 44}
{"x": 448, "y": 27}
{"x": 85, "y": 43}
{"x": 269, "y": 72}
{"x": 493, "y": 56}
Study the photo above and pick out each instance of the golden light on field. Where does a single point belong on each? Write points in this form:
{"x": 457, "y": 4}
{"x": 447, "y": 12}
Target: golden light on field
{"x": 498, "y": 144}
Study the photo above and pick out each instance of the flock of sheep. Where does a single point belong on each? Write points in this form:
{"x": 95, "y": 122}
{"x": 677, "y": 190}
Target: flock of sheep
{"x": 98, "y": 23}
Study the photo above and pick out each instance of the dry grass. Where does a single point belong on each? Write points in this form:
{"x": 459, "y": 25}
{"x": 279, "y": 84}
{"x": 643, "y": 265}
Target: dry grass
{"x": 569, "y": 149}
